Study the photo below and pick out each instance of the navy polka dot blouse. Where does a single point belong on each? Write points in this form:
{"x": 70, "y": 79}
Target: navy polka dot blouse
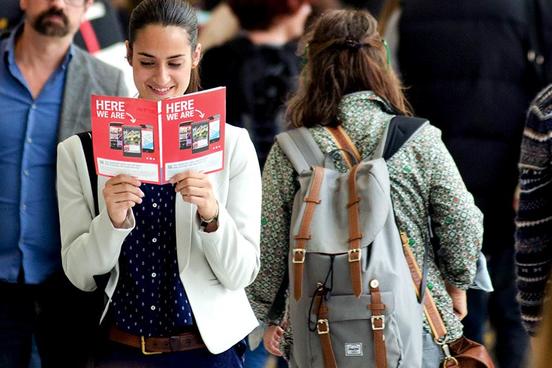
{"x": 150, "y": 299}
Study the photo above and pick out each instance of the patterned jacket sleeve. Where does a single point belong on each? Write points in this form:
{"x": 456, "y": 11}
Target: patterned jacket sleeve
{"x": 279, "y": 187}
{"x": 458, "y": 223}
{"x": 534, "y": 217}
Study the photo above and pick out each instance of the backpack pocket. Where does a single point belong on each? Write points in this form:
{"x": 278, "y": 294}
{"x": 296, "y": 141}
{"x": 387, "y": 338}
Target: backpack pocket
{"x": 351, "y": 332}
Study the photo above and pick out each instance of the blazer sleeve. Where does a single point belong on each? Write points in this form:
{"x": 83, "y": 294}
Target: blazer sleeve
{"x": 232, "y": 250}
{"x": 89, "y": 246}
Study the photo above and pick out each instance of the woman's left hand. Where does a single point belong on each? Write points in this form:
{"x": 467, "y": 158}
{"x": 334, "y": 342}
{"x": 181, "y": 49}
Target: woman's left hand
{"x": 196, "y": 188}
{"x": 459, "y": 300}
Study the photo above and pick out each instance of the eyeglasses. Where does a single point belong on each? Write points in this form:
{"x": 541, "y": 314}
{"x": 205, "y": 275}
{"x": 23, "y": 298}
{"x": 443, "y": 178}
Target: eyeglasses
{"x": 74, "y": 2}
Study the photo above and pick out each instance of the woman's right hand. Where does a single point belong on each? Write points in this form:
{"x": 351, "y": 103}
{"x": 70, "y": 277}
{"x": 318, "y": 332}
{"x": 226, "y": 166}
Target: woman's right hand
{"x": 272, "y": 338}
{"x": 121, "y": 193}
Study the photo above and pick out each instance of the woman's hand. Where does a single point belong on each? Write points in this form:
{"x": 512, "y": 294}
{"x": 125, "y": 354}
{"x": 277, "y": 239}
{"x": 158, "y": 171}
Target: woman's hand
{"x": 272, "y": 338}
{"x": 196, "y": 188}
{"x": 459, "y": 300}
{"x": 121, "y": 193}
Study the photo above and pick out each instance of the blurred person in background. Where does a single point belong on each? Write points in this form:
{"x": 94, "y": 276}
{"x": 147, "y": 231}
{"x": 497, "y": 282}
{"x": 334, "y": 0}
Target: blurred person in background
{"x": 466, "y": 68}
{"x": 259, "y": 67}
{"x": 45, "y": 87}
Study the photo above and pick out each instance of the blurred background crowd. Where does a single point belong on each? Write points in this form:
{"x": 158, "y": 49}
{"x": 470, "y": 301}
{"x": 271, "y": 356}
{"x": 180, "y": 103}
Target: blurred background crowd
{"x": 471, "y": 67}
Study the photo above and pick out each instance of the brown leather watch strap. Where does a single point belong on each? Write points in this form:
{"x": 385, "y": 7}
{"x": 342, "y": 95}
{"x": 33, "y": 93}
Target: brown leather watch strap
{"x": 344, "y": 142}
{"x": 355, "y": 235}
{"x": 378, "y": 324}
{"x": 323, "y": 330}
{"x": 299, "y": 250}
{"x": 434, "y": 319}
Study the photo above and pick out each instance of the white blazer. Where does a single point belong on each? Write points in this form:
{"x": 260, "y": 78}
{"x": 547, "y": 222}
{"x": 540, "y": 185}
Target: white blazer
{"x": 214, "y": 267}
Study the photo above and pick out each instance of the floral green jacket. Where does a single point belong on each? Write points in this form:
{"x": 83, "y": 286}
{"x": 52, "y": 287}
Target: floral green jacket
{"x": 423, "y": 175}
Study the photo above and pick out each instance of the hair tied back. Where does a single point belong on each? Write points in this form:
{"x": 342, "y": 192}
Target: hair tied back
{"x": 351, "y": 44}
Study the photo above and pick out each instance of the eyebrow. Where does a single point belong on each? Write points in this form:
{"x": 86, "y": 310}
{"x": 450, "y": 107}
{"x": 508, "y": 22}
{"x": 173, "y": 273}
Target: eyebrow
{"x": 152, "y": 56}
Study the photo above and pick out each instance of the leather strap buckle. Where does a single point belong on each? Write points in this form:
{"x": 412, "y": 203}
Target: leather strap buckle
{"x": 143, "y": 347}
{"x": 375, "y": 319}
{"x": 354, "y": 255}
{"x": 450, "y": 362}
{"x": 323, "y": 327}
{"x": 298, "y": 252}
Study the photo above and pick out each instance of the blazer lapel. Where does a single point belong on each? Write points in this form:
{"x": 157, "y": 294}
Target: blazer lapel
{"x": 75, "y": 112}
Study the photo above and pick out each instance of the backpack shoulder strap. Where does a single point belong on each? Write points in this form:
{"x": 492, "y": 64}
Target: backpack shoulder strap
{"x": 86, "y": 142}
{"x": 400, "y": 130}
{"x": 301, "y": 149}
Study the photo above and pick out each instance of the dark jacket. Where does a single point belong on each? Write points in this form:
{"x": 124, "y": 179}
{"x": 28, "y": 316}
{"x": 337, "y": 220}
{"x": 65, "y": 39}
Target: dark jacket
{"x": 258, "y": 79}
{"x": 465, "y": 66}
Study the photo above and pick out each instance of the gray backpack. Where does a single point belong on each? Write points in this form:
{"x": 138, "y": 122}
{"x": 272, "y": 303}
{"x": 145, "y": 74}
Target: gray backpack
{"x": 352, "y": 299}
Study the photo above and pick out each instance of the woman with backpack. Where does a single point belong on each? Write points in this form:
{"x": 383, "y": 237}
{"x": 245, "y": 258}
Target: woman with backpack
{"x": 347, "y": 84}
{"x": 178, "y": 255}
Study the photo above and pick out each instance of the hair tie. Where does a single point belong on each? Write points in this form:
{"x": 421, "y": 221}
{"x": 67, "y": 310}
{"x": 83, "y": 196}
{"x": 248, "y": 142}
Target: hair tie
{"x": 353, "y": 44}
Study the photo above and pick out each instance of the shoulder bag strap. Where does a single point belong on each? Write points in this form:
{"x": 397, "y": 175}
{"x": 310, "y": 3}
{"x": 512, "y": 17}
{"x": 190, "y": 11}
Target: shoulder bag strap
{"x": 86, "y": 142}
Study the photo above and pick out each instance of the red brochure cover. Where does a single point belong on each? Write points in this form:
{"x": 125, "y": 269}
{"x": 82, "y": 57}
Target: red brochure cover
{"x": 154, "y": 140}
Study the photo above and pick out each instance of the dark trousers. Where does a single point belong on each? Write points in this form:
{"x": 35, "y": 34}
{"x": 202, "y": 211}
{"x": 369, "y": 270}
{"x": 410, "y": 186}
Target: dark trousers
{"x": 502, "y": 310}
{"x": 62, "y": 319}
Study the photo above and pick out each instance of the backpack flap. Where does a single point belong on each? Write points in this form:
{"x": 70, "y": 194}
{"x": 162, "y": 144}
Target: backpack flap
{"x": 330, "y": 217}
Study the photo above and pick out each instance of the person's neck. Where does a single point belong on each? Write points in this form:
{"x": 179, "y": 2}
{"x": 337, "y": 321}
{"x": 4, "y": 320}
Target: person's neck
{"x": 276, "y": 35}
{"x": 34, "y": 51}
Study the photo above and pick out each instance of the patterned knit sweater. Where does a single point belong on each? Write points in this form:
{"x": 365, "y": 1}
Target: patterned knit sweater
{"x": 534, "y": 218}
{"x": 422, "y": 174}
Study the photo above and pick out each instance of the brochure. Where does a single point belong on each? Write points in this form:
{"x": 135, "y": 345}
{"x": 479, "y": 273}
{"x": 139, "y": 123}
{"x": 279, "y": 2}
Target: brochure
{"x": 154, "y": 140}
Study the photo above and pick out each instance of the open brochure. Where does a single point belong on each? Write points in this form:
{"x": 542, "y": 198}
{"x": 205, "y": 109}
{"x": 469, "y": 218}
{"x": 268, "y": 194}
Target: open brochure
{"x": 154, "y": 140}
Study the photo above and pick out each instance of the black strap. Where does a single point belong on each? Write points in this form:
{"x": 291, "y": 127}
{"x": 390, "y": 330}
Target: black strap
{"x": 401, "y": 128}
{"x": 86, "y": 142}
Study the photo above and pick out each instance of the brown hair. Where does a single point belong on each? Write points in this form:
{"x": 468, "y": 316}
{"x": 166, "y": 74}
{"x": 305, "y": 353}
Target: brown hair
{"x": 344, "y": 54}
{"x": 177, "y": 13}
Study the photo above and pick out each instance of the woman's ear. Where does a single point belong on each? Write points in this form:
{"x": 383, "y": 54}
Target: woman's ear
{"x": 196, "y": 57}
{"x": 129, "y": 52}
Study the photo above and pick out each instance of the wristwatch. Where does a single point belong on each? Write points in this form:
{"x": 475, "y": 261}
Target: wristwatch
{"x": 211, "y": 224}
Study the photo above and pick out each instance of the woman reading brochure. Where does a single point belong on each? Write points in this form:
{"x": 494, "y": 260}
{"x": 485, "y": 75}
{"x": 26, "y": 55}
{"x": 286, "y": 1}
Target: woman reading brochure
{"x": 179, "y": 255}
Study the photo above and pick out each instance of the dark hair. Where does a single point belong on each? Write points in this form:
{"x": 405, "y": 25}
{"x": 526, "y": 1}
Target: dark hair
{"x": 260, "y": 14}
{"x": 166, "y": 13}
{"x": 344, "y": 54}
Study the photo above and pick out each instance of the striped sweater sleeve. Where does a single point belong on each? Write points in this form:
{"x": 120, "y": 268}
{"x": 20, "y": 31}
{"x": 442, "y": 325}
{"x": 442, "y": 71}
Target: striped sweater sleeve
{"x": 534, "y": 217}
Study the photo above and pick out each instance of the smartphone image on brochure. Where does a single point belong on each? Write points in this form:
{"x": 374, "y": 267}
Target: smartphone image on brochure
{"x": 132, "y": 141}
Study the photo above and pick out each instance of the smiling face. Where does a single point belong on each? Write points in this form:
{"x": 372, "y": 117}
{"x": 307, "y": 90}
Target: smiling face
{"x": 162, "y": 60}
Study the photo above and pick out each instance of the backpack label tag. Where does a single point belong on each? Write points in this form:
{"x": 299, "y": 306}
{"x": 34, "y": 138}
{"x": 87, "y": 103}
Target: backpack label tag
{"x": 353, "y": 349}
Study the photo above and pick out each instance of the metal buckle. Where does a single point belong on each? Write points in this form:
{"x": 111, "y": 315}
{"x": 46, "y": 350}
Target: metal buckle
{"x": 144, "y": 351}
{"x": 301, "y": 253}
{"x": 326, "y": 327}
{"x": 381, "y": 318}
{"x": 354, "y": 255}
{"x": 450, "y": 359}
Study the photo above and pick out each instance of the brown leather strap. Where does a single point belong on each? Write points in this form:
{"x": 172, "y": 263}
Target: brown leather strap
{"x": 434, "y": 319}
{"x": 344, "y": 142}
{"x": 298, "y": 257}
{"x": 354, "y": 234}
{"x": 323, "y": 330}
{"x": 378, "y": 324}
{"x": 155, "y": 345}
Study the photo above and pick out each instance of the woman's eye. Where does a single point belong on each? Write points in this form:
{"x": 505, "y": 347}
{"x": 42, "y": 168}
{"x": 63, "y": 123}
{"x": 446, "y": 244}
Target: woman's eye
{"x": 146, "y": 63}
{"x": 175, "y": 65}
